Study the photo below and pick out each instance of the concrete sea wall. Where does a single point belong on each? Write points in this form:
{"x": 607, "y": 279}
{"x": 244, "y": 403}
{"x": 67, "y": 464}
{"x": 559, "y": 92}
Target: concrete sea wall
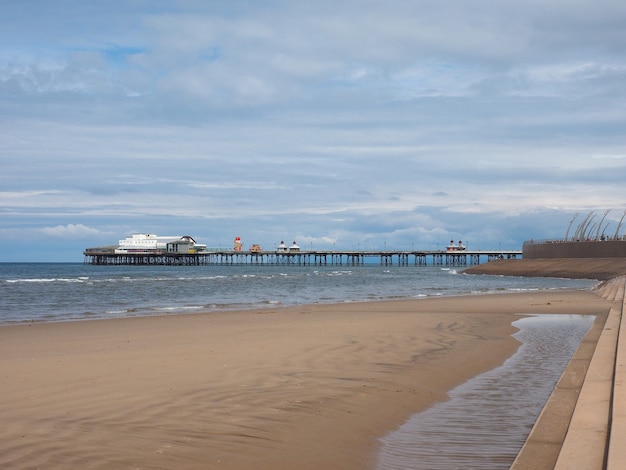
{"x": 572, "y": 249}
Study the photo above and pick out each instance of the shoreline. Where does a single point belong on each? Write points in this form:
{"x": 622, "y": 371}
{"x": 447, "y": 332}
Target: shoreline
{"x": 277, "y": 307}
{"x": 305, "y": 386}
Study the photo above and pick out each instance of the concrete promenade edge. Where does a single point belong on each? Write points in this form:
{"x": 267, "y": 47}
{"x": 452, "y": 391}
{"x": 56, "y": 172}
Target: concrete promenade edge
{"x": 592, "y": 392}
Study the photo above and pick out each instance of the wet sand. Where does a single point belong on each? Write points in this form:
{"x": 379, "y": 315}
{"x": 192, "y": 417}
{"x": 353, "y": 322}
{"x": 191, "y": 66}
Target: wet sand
{"x": 305, "y": 387}
{"x": 571, "y": 268}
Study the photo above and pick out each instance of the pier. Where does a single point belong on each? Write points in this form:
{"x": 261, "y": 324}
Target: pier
{"x": 300, "y": 258}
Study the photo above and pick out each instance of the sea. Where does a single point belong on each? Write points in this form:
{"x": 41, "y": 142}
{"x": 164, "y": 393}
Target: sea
{"x": 52, "y": 292}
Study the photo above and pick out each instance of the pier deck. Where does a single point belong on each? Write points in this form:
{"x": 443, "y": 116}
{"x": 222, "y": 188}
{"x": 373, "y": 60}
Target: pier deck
{"x": 300, "y": 258}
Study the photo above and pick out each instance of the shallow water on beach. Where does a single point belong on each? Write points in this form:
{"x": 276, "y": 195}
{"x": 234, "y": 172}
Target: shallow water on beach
{"x": 487, "y": 419}
{"x": 74, "y": 291}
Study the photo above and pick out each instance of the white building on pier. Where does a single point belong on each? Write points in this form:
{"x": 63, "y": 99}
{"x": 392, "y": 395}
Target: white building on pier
{"x": 151, "y": 243}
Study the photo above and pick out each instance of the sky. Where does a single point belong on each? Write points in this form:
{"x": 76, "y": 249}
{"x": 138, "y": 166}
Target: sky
{"x": 337, "y": 124}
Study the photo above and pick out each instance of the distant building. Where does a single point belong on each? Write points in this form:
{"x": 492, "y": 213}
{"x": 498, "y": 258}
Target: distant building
{"x": 282, "y": 248}
{"x": 151, "y": 243}
{"x": 185, "y": 244}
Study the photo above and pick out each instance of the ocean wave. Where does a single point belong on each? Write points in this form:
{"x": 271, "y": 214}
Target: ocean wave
{"x": 46, "y": 279}
{"x": 41, "y": 292}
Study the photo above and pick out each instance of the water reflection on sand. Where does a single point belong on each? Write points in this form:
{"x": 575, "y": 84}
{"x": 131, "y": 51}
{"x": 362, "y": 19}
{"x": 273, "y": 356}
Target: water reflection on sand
{"x": 487, "y": 419}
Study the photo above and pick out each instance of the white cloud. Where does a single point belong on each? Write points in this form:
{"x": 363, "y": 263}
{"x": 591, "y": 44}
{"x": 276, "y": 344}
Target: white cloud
{"x": 26, "y": 194}
{"x": 71, "y": 231}
{"x": 609, "y": 157}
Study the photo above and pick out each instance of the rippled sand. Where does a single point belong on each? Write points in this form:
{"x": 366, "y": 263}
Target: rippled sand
{"x": 303, "y": 387}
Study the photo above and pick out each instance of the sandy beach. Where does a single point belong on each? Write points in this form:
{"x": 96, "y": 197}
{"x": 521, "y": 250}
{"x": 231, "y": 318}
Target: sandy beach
{"x": 301, "y": 387}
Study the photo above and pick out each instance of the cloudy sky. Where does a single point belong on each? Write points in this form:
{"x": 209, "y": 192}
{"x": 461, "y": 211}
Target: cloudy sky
{"x": 345, "y": 124}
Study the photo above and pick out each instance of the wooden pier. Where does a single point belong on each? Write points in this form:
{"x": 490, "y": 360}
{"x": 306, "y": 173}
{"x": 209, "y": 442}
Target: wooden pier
{"x": 299, "y": 258}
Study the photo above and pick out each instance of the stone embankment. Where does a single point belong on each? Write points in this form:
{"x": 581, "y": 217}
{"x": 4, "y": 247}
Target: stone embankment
{"x": 572, "y": 268}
